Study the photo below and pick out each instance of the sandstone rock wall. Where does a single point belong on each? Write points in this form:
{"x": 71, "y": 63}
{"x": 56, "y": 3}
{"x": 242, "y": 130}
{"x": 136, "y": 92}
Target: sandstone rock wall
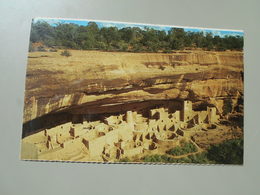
{"x": 101, "y": 81}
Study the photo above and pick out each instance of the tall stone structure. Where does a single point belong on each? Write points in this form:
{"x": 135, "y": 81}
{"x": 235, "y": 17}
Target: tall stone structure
{"x": 187, "y": 111}
{"x": 212, "y": 116}
{"x": 130, "y": 119}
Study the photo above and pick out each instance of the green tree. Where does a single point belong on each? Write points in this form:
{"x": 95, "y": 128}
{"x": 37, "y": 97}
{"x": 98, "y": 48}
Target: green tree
{"x": 207, "y": 41}
{"x": 177, "y": 38}
{"x": 228, "y": 152}
{"x": 66, "y": 35}
{"x": 128, "y": 39}
{"x": 42, "y": 32}
{"x": 110, "y": 36}
{"x": 186, "y": 147}
{"x": 227, "y": 106}
{"x": 127, "y": 34}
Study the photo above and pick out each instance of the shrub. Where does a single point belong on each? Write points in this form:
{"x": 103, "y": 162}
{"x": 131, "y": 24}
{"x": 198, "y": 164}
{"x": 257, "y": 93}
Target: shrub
{"x": 122, "y": 46}
{"x": 227, "y": 107}
{"x": 228, "y": 152}
{"x": 200, "y": 158}
{"x": 137, "y": 48}
{"x": 165, "y": 159}
{"x": 185, "y": 148}
{"x": 53, "y": 50}
{"x": 158, "y": 158}
{"x": 41, "y": 48}
{"x": 65, "y": 53}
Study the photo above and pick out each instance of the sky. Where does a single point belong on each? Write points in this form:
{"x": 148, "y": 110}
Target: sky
{"x": 119, "y": 25}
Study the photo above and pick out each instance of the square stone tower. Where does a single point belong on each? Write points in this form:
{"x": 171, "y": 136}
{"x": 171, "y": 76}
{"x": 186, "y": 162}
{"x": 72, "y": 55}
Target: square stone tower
{"x": 187, "y": 111}
{"x": 212, "y": 116}
{"x": 130, "y": 119}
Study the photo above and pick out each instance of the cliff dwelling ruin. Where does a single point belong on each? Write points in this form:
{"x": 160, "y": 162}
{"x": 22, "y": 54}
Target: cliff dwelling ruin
{"x": 110, "y": 94}
{"x": 133, "y": 110}
{"x": 109, "y": 138}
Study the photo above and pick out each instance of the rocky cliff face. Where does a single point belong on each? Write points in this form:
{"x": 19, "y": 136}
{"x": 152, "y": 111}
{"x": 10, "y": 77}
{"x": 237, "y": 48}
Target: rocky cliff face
{"x": 102, "y": 82}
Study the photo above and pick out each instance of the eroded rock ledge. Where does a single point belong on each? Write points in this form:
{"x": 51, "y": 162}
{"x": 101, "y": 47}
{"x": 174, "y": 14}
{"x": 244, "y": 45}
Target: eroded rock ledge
{"x": 100, "y": 82}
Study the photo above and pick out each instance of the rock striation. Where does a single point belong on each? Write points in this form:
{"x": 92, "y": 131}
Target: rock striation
{"x": 94, "y": 82}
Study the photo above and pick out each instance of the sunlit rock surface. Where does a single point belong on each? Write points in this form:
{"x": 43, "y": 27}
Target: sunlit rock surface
{"x": 100, "y": 82}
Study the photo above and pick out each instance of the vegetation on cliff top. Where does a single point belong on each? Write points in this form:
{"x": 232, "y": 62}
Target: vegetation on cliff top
{"x": 133, "y": 39}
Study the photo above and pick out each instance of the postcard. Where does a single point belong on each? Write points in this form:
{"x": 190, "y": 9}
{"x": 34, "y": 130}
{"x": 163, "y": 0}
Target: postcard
{"x": 117, "y": 92}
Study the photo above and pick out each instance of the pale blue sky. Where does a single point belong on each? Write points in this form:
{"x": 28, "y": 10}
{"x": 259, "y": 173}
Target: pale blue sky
{"x": 119, "y": 25}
